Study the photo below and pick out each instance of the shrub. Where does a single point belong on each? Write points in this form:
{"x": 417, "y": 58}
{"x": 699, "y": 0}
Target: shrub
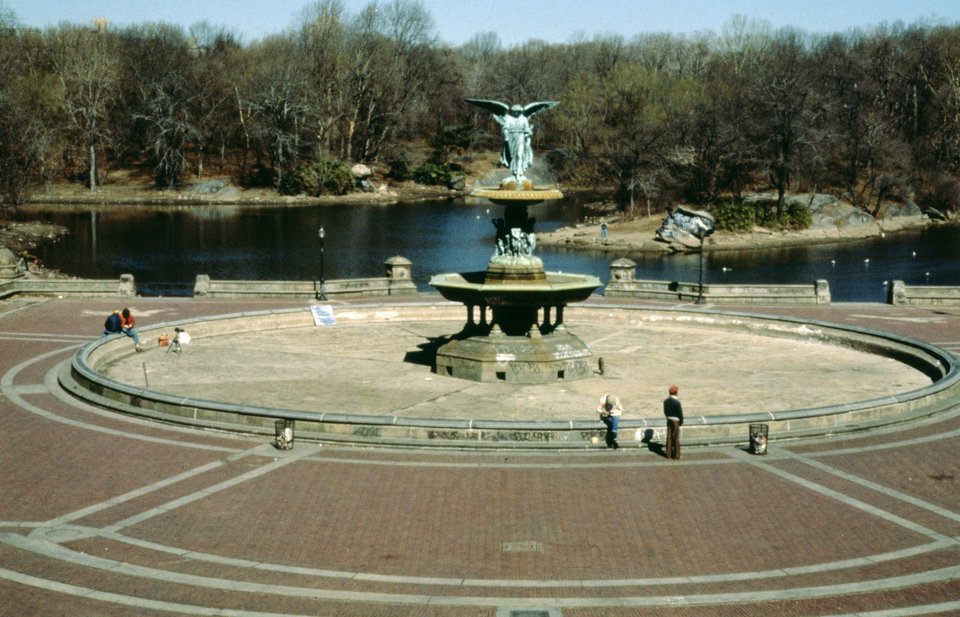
{"x": 735, "y": 216}
{"x": 942, "y": 194}
{"x": 325, "y": 177}
{"x": 399, "y": 170}
{"x": 432, "y": 174}
{"x": 797, "y": 216}
{"x": 740, "y": 217}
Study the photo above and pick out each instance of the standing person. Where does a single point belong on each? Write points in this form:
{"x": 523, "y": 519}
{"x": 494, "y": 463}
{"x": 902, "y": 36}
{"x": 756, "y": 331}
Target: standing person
{"x": 610, "y": 411}
{"x": 113, "y": 324}
{"x": 673, "y": 411}
{"x": 128, "y": 324}
{"x": 603, "y": 230}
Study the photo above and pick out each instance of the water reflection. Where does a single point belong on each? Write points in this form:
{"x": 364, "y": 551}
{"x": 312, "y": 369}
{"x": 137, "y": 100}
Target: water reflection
{"x": 162, "y": 246}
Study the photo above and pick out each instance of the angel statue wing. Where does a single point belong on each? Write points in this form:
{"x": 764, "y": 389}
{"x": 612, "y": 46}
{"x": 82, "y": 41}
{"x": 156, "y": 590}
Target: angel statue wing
{"x": 501, "y": 109}
{"x": 532, "y": 108}
{"x": 495, "y": 107}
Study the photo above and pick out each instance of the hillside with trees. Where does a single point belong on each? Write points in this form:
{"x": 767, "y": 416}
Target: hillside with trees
{"x": 868, "y": 116}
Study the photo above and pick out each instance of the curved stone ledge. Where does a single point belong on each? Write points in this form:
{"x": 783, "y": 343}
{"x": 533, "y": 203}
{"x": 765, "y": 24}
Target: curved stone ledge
{"x": 83, "y": 379}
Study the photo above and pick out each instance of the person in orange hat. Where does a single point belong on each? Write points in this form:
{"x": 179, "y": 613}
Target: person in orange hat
{"x": 673, "y": 411}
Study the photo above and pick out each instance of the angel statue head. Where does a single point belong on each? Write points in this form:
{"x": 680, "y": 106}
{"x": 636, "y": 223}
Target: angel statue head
{"x": 516, "y": 154}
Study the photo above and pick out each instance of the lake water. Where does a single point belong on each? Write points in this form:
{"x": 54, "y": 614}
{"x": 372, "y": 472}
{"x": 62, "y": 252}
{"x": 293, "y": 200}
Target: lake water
{"x": 165, "y": 248}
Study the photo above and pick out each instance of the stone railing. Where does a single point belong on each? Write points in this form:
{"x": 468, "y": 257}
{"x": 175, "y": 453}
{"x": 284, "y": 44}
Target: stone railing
{"x": 125, "y": 287}
{"x": 623, "y": 284}
{"x": 923, "y": 295}
{"x": 397, "y": 282}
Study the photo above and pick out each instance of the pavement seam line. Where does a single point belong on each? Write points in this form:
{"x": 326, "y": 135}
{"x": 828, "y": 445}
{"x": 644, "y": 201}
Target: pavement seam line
{"x": 134, "y": 494}
{"x": 914, "y": 501}
{"x": 845, "y": 499}
{"x": 58, "y": 552}
{"x": 206, "y": 492}
{"x": 855, "y": 562}
{"x": 125, "y": 600}
{"x": 8, "y": 389}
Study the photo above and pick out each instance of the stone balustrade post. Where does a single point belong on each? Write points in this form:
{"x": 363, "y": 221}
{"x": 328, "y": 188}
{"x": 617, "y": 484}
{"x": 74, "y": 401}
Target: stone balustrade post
{"x": 400, "y": 275}
{"x": 127, "y": 287}
{"x": 202, "y": 285}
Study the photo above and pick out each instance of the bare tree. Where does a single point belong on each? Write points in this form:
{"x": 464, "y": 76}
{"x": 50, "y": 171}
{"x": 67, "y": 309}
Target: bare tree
{"x": 169, "y": 127}
{"x": 393, "y": 64}
{"x": 322, "y": 42}
{"x": 276, "y": 102}
{"x": 217, "y": 54}
{"x": 87, "y": 67}
{"x": 781, "y": 86}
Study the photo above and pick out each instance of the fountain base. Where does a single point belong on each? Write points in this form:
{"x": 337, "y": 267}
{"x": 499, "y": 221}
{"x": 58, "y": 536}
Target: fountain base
{"x": 558, "y": 356}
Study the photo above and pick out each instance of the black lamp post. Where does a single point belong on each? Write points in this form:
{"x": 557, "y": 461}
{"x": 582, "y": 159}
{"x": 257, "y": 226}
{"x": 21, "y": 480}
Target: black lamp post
{"x": 323, "y": 281}
{"x": 700, "y": 283}
{"x": 703, "y": 230}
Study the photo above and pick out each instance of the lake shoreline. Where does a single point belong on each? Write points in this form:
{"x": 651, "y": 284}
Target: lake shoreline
{"x": 623, "y": 236}
{"x": 639, "y": 236}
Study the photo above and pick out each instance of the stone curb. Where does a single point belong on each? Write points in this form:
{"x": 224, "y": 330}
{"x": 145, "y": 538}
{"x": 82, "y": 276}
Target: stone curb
{"x": 85, "y": 382}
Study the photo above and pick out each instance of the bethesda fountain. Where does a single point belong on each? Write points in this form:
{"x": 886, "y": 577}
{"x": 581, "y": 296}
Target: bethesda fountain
{"x": 515, "y": 330}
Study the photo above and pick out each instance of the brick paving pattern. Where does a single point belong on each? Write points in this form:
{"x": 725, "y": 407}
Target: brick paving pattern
{"x": 105, "y": 515}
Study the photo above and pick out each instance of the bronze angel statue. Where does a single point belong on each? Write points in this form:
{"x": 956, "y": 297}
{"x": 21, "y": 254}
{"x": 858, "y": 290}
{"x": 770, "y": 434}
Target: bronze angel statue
{"x": 516, "y": 154}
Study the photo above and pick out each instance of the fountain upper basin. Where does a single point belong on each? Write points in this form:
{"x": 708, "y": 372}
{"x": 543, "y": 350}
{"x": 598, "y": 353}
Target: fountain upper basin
{"x": 555, "y": 288}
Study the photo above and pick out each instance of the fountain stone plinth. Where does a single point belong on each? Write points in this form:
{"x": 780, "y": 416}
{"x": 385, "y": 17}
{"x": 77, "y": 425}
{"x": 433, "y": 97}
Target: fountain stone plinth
{"x": 515, "y": 330}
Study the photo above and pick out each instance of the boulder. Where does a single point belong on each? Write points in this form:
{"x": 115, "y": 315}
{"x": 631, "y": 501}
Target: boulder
{"x": 828, "y": 211}
{"x": 684, "y": 227}
{"x": 361, "y": 172}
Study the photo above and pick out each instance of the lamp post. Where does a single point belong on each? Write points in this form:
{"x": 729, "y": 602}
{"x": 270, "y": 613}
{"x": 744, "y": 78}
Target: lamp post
{"x": 700, "y": 283}
{"x": 702, "y": 232}
{"x": 323, "y": 294}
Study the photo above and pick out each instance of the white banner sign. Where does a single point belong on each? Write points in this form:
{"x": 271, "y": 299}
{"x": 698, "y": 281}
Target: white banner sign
{"x": 323, "y": 315}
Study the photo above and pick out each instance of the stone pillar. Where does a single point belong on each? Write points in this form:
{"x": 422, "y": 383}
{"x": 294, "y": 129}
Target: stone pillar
{"x": 202, "y": 286}
{"x": 623, "y": 270}
{"x": 399, "y": 268}
{"x": 623, "y": 273}
{"x": 400, "y": 276}
{"x": 898, "y": 293}
{"x": 823, "y": 291}
{"x": 8, "y": 264}
{"x": 127, "y": 287}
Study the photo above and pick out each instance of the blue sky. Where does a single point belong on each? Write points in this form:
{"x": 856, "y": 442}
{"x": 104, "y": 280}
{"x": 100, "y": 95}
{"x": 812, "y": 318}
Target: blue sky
{"x": 514, "y": 21}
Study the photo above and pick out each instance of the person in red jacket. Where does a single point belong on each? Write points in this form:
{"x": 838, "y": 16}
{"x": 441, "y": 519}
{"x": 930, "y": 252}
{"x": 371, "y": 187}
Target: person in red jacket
{"x": 673, "y": 411}
{"x": 128, "y": 325}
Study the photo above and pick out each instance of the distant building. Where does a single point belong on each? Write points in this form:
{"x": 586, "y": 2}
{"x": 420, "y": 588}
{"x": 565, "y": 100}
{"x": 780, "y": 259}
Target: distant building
{"x": 100, "y": 24}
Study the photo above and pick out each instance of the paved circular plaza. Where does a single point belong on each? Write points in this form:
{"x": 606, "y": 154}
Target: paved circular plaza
{"x": 102, "y": 514}
{"x": 373, "y": 361}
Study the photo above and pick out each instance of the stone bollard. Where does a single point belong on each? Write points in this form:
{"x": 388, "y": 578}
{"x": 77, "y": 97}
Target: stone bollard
{"x": 127, "y": 287}
{"x": 623, "y": 274}
{"x": 202, "y": 285}
{"x": 8, "y": 264}
{"x": 823, "y": 291}
{"x": 623, "y": 270}
{"x": 400, "y": 276}
{"x": 897, "y": 293}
